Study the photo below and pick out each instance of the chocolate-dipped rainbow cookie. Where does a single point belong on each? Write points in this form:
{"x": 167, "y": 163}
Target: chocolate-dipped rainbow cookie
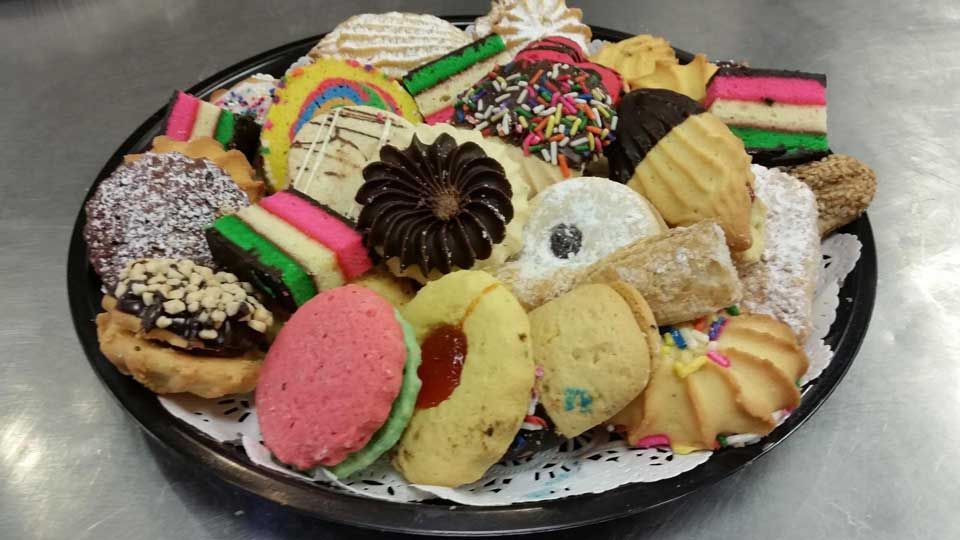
{"x": 781, "y": 116}
{"x": 435, "y": 85}
{"x": 189, "y": 118}
{"x": 290, "y": 247}
{"x": 311, "y": 90}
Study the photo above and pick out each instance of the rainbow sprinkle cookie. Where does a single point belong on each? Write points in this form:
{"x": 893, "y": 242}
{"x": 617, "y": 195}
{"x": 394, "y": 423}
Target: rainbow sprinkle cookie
{"x": 317, "y": 88}
{"x": 189, "y": 118}
{"x": 553, "y": 110}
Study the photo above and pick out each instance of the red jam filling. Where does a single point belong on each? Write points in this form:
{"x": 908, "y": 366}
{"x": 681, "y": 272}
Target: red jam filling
{"x": 443, "y": 352}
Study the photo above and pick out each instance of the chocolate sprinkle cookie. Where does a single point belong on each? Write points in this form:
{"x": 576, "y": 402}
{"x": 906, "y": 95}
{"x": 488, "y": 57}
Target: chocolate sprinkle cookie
{"x": 156, "y": 207}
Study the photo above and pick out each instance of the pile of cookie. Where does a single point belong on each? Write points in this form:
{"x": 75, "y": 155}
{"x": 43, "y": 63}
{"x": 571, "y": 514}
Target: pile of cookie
{"x": 455, "y": 248}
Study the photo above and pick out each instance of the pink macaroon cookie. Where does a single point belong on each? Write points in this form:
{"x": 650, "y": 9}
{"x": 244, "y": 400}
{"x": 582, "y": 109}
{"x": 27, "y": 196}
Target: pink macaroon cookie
{"x": 330, "y": 377}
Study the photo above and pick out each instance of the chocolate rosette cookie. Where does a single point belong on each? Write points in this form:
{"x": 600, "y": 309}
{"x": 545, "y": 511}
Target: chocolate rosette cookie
{"x": 440, "y": 206}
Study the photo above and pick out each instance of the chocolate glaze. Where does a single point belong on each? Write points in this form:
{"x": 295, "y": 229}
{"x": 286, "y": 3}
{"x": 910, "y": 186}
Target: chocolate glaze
{"x": 437, "y": 206}
{"x": 646, "y": 116}
{"x": 233, "y": 336}
{"x": 248, "y": 268}
{"x": 246, "y": 136}
{"x": 781, "y": 158}
{"x": 743, "y": 71}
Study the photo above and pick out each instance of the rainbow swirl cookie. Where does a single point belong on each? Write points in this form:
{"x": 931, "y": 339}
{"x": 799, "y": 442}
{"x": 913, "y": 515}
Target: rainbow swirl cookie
{"x": 317, "y": 88}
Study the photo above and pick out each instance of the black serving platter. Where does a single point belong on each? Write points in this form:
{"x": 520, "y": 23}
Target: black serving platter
{"x": 231, "y": 464}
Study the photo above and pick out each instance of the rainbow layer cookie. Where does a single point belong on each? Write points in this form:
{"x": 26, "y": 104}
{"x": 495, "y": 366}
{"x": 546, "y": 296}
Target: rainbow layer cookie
{"x": 290, "y": 247}
{"x": 781, "y": 116}
{"x": 189, "y": 118}
{"x": 435, "y": 85}
{"x": 319, "y": 87}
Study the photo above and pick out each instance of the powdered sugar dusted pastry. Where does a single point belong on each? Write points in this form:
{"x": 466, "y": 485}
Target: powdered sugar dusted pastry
{"x": 251, "y": 96}
{"x": 683, "y": 273}
{"x": 521, "y": 21}
{"x": 782, "y": 282}
{"x": 843, "y": 185}
{"x": 572, "y": 225}
{"x": 394, "y": 42}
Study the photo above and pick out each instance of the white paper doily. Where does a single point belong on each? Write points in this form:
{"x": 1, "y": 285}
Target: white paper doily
{"x": 592, "y": 463}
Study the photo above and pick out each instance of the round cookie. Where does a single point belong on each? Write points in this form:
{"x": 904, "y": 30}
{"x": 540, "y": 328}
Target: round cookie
{"x": 180, "y": 327}
{"x": 392, "y": 42}
{"x": 331, "y": 377}
{"x": 471, "y": 330}
{"x": 319, "y": 87}
{"x": 574, "y": 224}
{"x": 156, "y": 207}
{"x": 252, "y": 96}
{"x": 594, "y": 354}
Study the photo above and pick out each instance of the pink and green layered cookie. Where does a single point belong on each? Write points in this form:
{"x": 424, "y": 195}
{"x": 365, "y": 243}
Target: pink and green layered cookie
{"x": 781, "y": 116}
{"x": 189, "y": 117}
{"x": 435, "y": 85}
{"x": 290, "y": 247}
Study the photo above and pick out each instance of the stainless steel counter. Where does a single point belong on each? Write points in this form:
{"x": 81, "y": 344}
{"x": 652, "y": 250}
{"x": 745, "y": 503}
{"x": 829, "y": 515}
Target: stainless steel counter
{"x": 880, "y": 459}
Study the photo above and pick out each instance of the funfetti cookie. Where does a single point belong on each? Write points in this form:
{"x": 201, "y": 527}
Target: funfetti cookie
{"x": 392, "y": 42}
{"x": 156, "y": 207}
{"x": 252, "y": 96}
{"x": 477, "y": 375}
{"x": 320, "y": 87}
{"x": 594, "y": 354}
{"x": 338, "y": 385}
{"x": 435, "y": 85}
{"x": 781, "y": 116}
{"x": 574, "y": 224}
{"x": 189, "y": 118}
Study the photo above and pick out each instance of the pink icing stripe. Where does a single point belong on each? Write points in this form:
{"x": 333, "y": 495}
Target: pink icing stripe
{"x": 345, "y": 242}
{"x": 182, "y": 116}
{"x": 783, "y": 90}
{"x": 651, "y": 441}
{"x": 443, "y": 116}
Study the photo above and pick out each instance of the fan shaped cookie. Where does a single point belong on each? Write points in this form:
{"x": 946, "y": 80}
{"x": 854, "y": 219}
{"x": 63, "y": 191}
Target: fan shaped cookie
{"x": 844, "y": 187}
{"x": 572, "y": 225}
{"x": 519, "y": 22}
{"x": 685, "y": 161}
{"x": 636, "y": 57}
{"x": 716, "y": 377}
{"x": 393, "y": 42}
{"x": 477, "y": 375}
{"x": 782, "y": 282}
{"x": 687, "y": 79}
{"x": 317, "y": 88}
{"x": 594, "y": 353}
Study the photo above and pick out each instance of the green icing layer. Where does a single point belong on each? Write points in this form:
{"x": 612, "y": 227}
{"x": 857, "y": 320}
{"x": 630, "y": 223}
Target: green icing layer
{"x": 769, "y": 139}
{"x": 447, "y": 66}
{"x": 296, "y": 279}
{"x": 224, "y": 131}
{"x": 387, "y": 436}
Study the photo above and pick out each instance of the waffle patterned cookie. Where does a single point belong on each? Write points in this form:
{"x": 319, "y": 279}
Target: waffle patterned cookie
{"x": 393, "y": 42}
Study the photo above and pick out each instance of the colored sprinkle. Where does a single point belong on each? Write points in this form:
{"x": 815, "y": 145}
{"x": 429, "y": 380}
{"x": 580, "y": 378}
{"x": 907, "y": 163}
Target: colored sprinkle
{"x": 678, "y": 338}
{"x": 718, "y": 359}
{"x": 733, "y": 310}
{"x": 682, "y": 369}
{"x": 683, "y": 449}
{"x": 716, "y": 327}
{"x": 700, "y": 324}
{"x": 563, "y": 166}
{"x": 651, "y": 441}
